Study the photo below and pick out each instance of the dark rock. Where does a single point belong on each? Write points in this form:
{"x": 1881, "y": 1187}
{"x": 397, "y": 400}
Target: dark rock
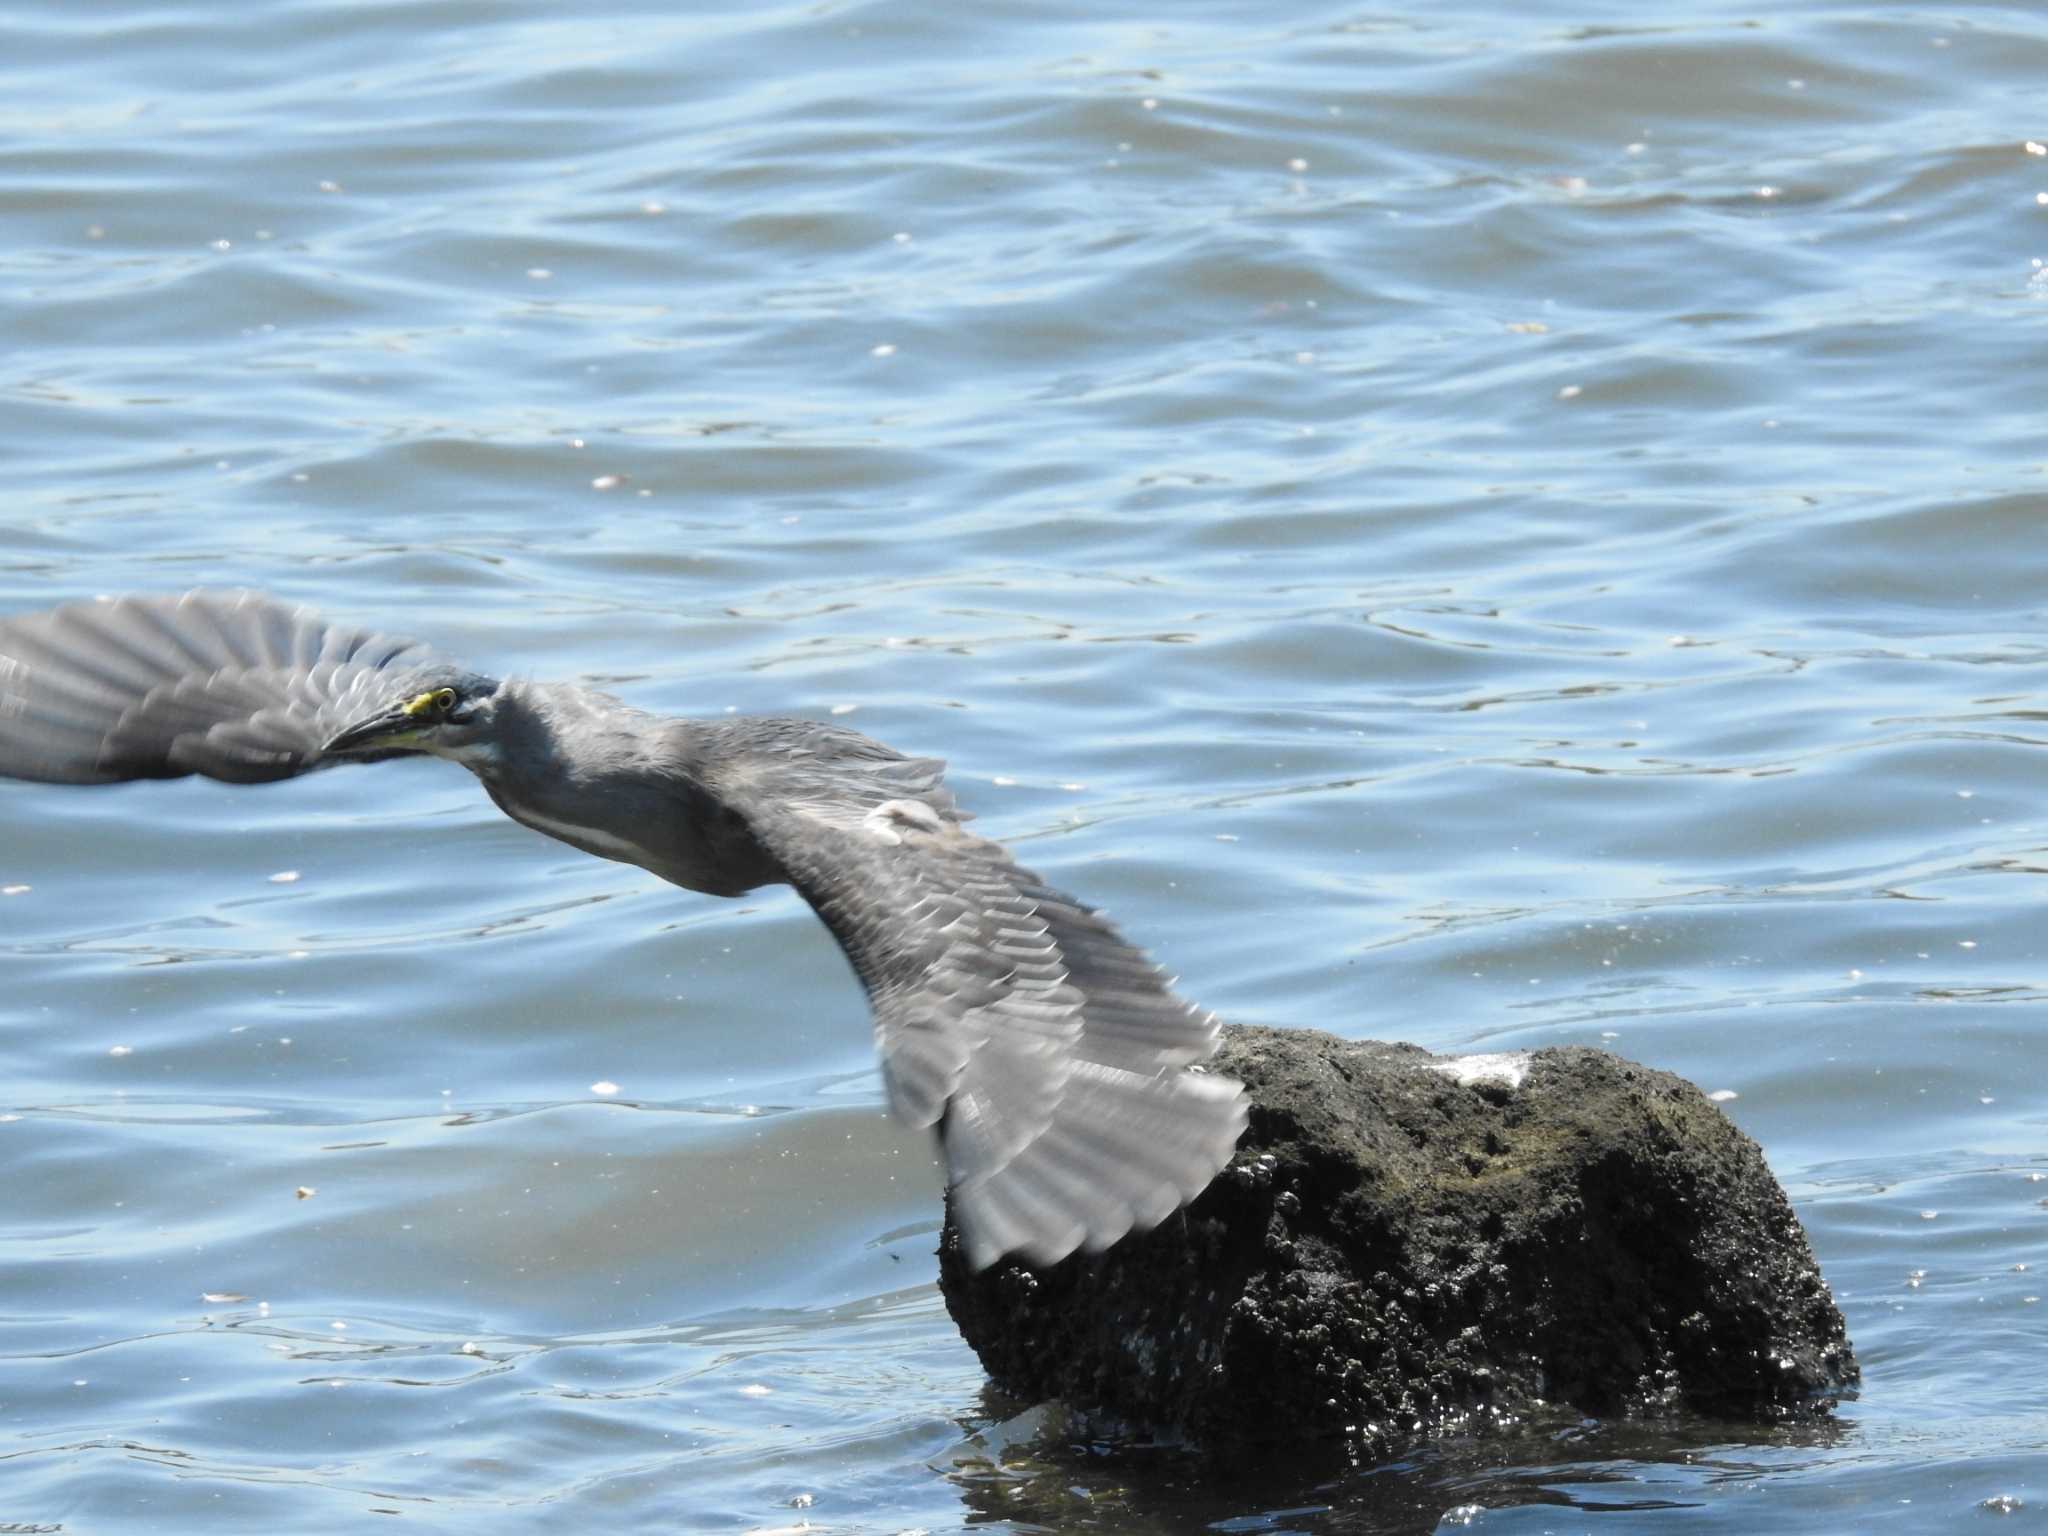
{"x": 1405, "y": 1242}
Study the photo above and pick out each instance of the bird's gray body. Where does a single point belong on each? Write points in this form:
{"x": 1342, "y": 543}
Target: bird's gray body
{"x": 1051, "y": 1055}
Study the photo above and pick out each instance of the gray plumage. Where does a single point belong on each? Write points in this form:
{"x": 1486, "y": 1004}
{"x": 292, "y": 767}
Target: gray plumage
{"x": 1050, "y": 1054}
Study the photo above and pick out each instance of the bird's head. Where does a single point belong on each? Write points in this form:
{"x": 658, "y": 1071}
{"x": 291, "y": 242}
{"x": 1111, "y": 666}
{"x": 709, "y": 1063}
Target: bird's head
{"x": 448, "y": 712}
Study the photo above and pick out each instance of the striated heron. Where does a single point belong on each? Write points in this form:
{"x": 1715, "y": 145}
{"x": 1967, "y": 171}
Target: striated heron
{"x": 1051, "y": 1056}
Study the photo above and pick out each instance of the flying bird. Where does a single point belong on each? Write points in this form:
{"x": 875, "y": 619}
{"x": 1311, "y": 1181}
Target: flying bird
{"x": 1060, "y": 1070}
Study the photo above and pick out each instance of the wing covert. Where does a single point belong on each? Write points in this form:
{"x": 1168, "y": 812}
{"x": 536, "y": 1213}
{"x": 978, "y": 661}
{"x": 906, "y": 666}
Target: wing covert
{"x": 231, "y": 685}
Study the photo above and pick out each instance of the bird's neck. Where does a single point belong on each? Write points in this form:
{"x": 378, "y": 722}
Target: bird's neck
{"x": 557, "y": 765}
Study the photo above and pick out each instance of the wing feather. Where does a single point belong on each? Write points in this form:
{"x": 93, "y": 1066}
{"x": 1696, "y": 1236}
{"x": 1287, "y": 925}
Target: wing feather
{"x": 1050, "y": 1053}
{"x": 231, "y": 685}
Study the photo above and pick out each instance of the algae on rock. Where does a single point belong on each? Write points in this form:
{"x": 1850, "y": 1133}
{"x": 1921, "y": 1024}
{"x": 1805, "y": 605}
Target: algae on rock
{"x": 1408, "y": 1242}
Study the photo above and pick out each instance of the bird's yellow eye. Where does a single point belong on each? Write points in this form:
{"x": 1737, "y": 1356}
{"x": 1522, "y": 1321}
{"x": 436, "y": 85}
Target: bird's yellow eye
{"x": 436, "y": 701}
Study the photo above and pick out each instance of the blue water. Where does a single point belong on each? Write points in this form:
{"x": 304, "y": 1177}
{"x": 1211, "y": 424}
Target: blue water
{"x": 1492, "y": 527}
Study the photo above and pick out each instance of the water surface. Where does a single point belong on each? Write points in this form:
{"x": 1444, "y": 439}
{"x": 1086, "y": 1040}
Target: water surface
{"x": 1498, "y": 528}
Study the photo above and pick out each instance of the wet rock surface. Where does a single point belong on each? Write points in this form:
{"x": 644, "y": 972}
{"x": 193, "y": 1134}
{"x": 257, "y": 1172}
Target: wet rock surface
{"x": 1407, "y": 1242}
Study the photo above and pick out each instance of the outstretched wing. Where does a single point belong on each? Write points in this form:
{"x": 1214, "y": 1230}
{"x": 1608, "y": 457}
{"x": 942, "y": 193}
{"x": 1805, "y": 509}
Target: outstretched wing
{"x": 231, "y": 685}
{"x": 1051, "y": 1054}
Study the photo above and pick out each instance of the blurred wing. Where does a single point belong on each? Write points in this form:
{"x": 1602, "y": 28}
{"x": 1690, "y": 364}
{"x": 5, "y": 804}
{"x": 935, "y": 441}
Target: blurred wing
{"x": 1049, "y": 1051}
{"x": 234, "y": 686}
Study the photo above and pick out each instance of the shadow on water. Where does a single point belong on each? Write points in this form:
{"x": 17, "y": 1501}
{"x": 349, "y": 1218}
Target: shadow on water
{"x": 1024, "y": 1468}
